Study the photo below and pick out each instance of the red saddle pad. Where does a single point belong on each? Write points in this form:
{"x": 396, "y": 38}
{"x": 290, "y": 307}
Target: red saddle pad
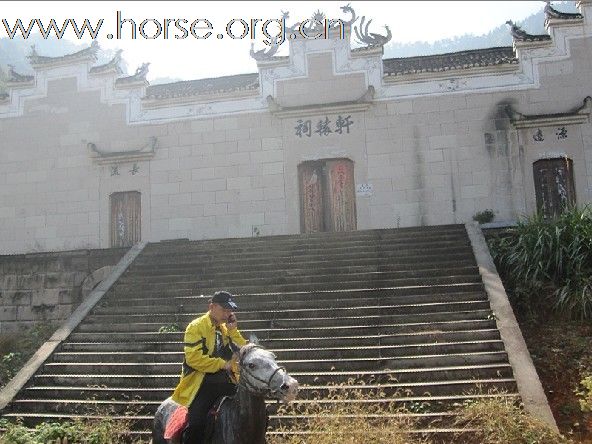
{"x": 177, "y": 423}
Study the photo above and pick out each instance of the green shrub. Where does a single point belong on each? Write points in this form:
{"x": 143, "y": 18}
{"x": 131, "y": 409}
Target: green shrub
{"x": 484, "y": 216}
{"x": 541, "y": 258}
{"x": 16, "y": 348}
{"x": 170, "y": 328}
{"x": 585, "y": 395}
{"x": 104, "y": 431}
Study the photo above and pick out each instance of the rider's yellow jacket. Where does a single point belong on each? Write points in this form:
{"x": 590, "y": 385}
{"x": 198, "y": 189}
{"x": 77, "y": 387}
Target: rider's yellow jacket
{"x": 200, "y": 337}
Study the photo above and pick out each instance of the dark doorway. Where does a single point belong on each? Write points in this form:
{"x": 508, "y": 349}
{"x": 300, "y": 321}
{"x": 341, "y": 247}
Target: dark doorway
{"x": 554, "y": 185}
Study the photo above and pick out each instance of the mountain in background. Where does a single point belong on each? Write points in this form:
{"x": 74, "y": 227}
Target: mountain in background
{"x": 14, "y": 52}
{"x": 500, "y": 36}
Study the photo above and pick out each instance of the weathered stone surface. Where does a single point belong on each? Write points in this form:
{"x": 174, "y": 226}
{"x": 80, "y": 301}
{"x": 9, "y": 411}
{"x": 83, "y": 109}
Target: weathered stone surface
{"x": 46, "y": 286}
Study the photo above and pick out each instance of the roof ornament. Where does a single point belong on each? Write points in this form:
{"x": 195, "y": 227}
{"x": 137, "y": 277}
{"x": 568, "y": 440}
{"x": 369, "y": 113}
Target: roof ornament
{"x": 141, "y": 72}
{"x": 15, "y": 77}
{"x": 138, "y": 77}
{"x": 348, "y": 9}
{"x": 89, "y": 52}
{"x": 523, "y": 36}
{"x": 317, "y": 19}
{"x": 311, "y": 26}
{"x": 371, "y": 39}
{"x": 112, "y": 64}
{"x": 317, "y": 23}
{"x": 517, "y": 32}
{"x": 265, "y": 54}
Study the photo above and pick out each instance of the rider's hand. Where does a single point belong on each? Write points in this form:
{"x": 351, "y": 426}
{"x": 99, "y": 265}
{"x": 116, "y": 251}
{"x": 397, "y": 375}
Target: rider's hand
{"x": 228, "y": 366}
{"x": 231, "y": 323}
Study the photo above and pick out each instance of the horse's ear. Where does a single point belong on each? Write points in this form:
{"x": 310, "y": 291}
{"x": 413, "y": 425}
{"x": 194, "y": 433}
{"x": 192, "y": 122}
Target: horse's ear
{"x": 244, "y": 350}
{"x": 253, "y": 339}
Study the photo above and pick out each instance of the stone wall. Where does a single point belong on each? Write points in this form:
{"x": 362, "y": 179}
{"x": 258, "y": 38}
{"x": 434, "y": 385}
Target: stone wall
{"x": 432, "y": 147}
{"x": 49, "y": 286}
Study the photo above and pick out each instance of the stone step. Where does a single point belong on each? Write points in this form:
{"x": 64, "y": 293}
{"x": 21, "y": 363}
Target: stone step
{"x": 428, "y": 251}
{"x": 302, "y": 241}
{"x": 435, "y": 388}
{"x": 194, "y": 304}
{"x": 267, "y": 270}
{"x": 299, "y": 313}
{"x": 281, "y": 333}
{"x": 47, "y": 376}
{"x": 400, "y": 312}
{"x": 284, "y": 277}
{"x": 165, "y": 269}
{"x": 437, "y": 314}
{"x": 317, "y": 285}
{"x": 306, "y": 297}
{"x": 312, "y": 239}
{"x": 143, "y": 407}
{"x": 329, "y": 353}
{"x": 410, "y": 361}
{"x": 297, "y": 253}
{"x": 335, "y": 341}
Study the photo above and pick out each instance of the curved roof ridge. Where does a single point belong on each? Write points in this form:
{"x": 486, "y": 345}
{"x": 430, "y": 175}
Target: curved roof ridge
{"x": 551, "y": 12}
{"x": 88, "y": 52}
{"x": 210, "y": 85}
{"x": 465, "y": 59}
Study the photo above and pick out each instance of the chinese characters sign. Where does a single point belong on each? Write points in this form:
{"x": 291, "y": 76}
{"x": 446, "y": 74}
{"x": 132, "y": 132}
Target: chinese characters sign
{"x": 114, "y": 170}
{"x": 323, "y": 127}
{"x": 559, "y": 132}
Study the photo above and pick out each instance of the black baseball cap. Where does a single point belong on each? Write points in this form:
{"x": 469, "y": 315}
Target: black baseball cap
{"x": 224, "y": 299}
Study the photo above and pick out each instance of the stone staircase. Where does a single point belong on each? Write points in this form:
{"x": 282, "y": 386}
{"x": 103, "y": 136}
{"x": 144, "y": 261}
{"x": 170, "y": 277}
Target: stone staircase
{"x": 400, "y": 309}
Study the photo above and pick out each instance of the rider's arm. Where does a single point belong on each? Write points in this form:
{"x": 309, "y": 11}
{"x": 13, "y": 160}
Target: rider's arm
{"x": 236, "y": 337}
{"x": 196, "y": 351}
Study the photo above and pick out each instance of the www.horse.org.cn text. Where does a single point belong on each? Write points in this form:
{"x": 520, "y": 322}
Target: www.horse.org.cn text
{"x": 268, "y": 30}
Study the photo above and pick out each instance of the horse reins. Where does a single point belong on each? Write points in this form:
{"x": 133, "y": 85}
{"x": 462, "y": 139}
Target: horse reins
{"x": 252, "y": 375}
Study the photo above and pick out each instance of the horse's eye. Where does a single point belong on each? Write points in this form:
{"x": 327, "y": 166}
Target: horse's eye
{"x": 251, "y": 365}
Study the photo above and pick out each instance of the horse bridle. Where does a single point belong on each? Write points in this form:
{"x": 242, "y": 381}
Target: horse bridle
{"x": 252, "y": 387}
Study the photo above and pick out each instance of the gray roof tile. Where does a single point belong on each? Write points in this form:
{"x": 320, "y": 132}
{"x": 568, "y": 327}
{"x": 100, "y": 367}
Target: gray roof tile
{"x": 392, "y": 67}
{"x": 446, "y": 62}
{"x": 185, "y": 88}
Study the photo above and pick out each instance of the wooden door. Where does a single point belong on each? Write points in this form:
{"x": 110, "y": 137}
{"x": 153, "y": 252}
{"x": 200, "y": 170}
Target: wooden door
{"x": 125, "y": 219}
{"x": 554, "y": 185}
{"x": 312, "y": 218}
{"x": 341, "y": 196}
{"x": 327, "y": 196}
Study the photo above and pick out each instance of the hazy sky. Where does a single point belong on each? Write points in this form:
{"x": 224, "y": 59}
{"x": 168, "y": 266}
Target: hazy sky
{"x": 191, "y": 58}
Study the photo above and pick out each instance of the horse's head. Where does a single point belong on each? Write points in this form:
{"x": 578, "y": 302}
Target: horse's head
{"x": 263, "y": 376}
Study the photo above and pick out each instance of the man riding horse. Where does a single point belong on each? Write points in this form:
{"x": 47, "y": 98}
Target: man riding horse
{"x": 210, "y": 341}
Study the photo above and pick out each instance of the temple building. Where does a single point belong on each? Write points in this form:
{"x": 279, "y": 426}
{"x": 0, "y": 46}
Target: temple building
{"x": 329, "y": 138}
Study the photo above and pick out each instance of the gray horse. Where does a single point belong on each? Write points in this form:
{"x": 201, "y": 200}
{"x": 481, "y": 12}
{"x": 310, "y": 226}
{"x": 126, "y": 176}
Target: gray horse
{"x": 241, "y": 419}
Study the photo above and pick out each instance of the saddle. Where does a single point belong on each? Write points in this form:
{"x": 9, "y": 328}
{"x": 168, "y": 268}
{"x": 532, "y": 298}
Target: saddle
{"x": 176, "y": 425}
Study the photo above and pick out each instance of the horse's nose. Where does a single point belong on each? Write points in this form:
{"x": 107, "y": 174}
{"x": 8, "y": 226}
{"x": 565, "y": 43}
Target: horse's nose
{"x": 285, "y": 387}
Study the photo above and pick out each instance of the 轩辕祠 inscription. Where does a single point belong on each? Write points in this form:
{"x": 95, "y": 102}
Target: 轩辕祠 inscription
{"x": 323, "y": 127}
